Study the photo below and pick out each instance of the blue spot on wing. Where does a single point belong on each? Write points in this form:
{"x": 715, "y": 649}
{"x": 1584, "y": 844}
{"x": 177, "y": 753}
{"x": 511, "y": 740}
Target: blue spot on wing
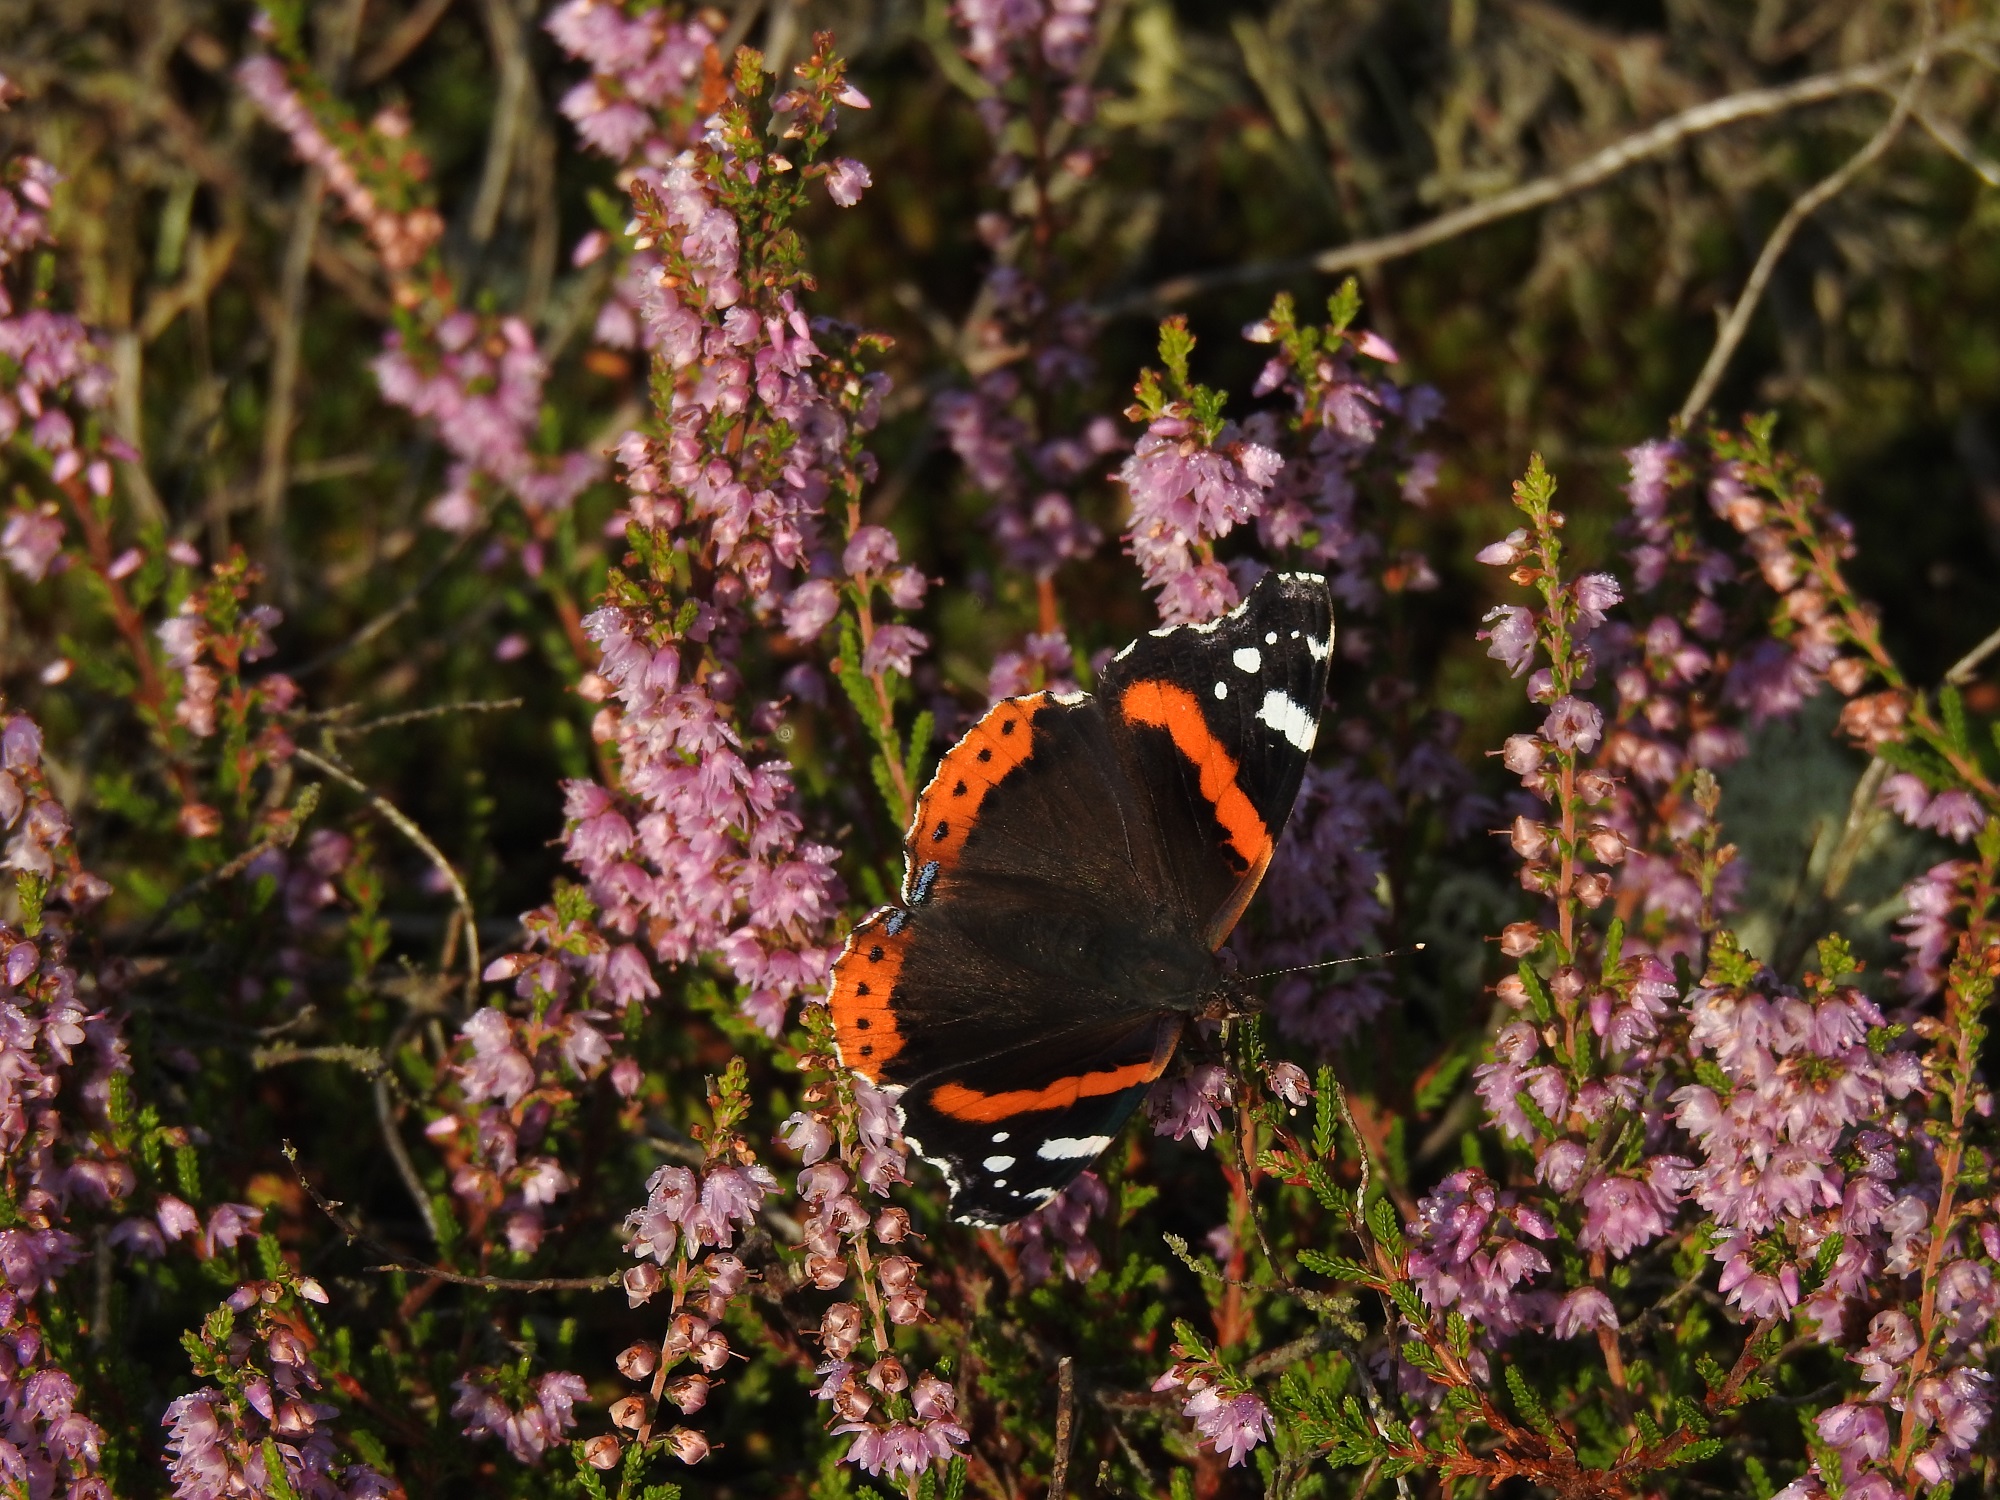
{"x": 926, "y": 878}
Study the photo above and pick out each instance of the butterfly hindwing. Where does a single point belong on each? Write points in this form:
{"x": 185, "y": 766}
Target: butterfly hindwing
{"x": 1043, "y": 1111}
{"x": 1218, "y": 720}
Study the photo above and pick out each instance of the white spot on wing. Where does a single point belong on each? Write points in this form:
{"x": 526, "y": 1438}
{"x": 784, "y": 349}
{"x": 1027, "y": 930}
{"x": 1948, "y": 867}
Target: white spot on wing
{"x": 1041, "y": 1195}
{"x": 1248, "y": 659}
{"x": 1289, "y": 719}
{"x": 1069, "y": 700}
{"x": 1221, "y": 691}
{"x": 997, "y": 1163}
{"x": 1319, "y": 648}
{"x": 1126, "y": 652}
{"x": 1072, "y": 1147}
{"x": 999, "y": 1136}
{"x": 1270, "y": 637}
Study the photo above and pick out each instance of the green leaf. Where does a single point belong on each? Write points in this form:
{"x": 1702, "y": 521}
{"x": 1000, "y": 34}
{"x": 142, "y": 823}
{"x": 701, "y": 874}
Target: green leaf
{"x": 1538, "y": 998}
{"x": 1437, "y": 1088}
{"x": 1951, "y": 703}
{"x": 1836, "y": 958}
{"x": 1343, "y": 306}
{"x": 1339, "y": 1267}
{"x": 1614, "y": 943}
{"x": 1325, "y": 1114}
{"x": 920, "y": 744}
{"x": 1176, "y": 344}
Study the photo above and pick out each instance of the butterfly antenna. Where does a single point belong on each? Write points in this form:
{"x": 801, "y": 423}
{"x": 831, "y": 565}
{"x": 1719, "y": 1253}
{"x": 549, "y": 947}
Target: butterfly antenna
{"x": 1330, "y": 963}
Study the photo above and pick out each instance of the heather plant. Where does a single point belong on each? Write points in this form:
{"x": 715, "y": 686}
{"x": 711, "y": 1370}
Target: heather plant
{"x": 416, "y": 1075}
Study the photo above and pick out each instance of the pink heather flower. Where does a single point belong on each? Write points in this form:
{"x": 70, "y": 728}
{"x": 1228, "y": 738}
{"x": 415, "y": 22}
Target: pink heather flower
{"x": 1908, "y": 797}
{"x": 1620, "y": 1215}
{"x": 1183, "y": 495}
{"x": 1511, "y": 636}
{"x": 893, "y": 648}
{"x": 498, "y": 1070}
{"x": 1573, "y": 724}
{"x": 1582, "y": 1310}
{"x": 31, "y": 541}
{"x": 1595, "y": 593}
{"x": 907, "y": 587}
{"x": 871, "y": 550}
{"x": 1647, "y": 487}
{"x": 846, "y": 180}
{"x": 1957, "y": 815}
{"x": 1190, "y": 1104}
{"x": 1506, "y": 552}
{"x": 810, "y": 609}
{"x": 1229, "y": 1424}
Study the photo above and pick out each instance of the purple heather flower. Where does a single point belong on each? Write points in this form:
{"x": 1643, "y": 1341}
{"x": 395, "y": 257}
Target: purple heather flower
{"x": 1582, "y": 1310}
{"x": 31, "y": 541}
{"x": 1573, "y": 724}
{"x": 1506, "y": 552}
{"x": 1511, "y": 636}
{"x": 871, "y": 550}
{"x": 1621, "y": 1214}
{"x": 1595, "y": 593}
{"x": 846, "y": 179}
{"x": 1229, "y": 1424}
{"x": 811, "y": 608}
{"x": 893, "y": 648}
{"x": 1190, "y": 1104}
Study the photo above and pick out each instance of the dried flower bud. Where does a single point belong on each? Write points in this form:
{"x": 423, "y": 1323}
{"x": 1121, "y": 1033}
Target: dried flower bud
{"x": 892, "y": 1226}
{"x": 639, "y": 1361}
{"x": 1512, "y": 992}
{"x": 888, "y": 1375}
{"x": 1522, "y": 754}
{"x": 683, "y": 1334}
{"x": 1607, "y": 845}
{"x": 1875, "y": 719}
{"x": 689, "y": 1393}
{"x": 629, "y": 1412}
{"x": 906, "y": 1307}
{"x": 1519, "y": 939}
{"x": 1529, "y": 838}
{"x": 1847, "y": 674}
{"x": 826, "y": 1271}
{"x": 852, "y": 1402}
{"x": 603, "y": 1451}
{"x": 711, "y": 1351}
{"x": 822, "y": 1239}
{"x": 725, "y": 1274}
{"x": 689, "y": 1446}
{"x": 840, "y": 1329}
{"x": 896, "y": 1272}
{"x": 198, "y": 820}
{"x": 1593, "y": 786}
{"x": 1592, "y": 889}
{"x": 1567, "y": 984}
{"x": 1289, "y": 1082}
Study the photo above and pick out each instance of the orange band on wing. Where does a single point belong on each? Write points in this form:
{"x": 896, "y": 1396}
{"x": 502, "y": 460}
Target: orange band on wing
{"x": 998, "y": 743}
{"x": 962, "y": 1103}
{"x": 1175, "y": 710}
{"x": 864, "y": 977}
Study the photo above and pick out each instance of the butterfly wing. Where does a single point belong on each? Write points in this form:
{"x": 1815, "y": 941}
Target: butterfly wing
{"x": 1027, "y": 973}
{"x": 1216, "y": 722}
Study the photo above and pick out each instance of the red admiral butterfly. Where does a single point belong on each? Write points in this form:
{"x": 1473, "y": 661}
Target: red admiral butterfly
{"x": 1074, "y": 867}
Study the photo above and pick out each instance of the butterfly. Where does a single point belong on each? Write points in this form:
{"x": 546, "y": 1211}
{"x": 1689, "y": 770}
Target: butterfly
{"x": 1070, "y": 876}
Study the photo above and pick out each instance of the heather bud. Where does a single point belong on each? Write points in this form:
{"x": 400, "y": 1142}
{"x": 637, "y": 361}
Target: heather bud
{"x": 826, "y": 1271}
{"x": 1847, "y": 674}
{"x": 689, "y": 1446}
{"x": 639, "y": 1361}
{"x": 1593, "y": 786}
{"x": 1529, "y": 838}
{"x": 888, "y": 1375}
{"x": 1592, "y": 889}
{"x": 895, "y": 1272}
{"x": 641, "y": 1282}
{"x": 689, "y": 1393}
{"x": 1519, "y": 939}
{"x": 906, "y": 1307}
{"x": 1607, "y": 845}
{"x": 892, "y": 1226}
{"x": 840, "y": 1329}
{"x": 1522, "y": 754}
{"x": 1566, "y": 985}
{"x": 1512, "y": 992}
{"x": 629, "y": 1412}
{"x": 1289, "y": 1082}
{"x": 603, "y": 1451}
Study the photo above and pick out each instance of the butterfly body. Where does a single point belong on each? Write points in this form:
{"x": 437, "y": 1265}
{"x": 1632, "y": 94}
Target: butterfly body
{"x": 1072, "y": 871}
